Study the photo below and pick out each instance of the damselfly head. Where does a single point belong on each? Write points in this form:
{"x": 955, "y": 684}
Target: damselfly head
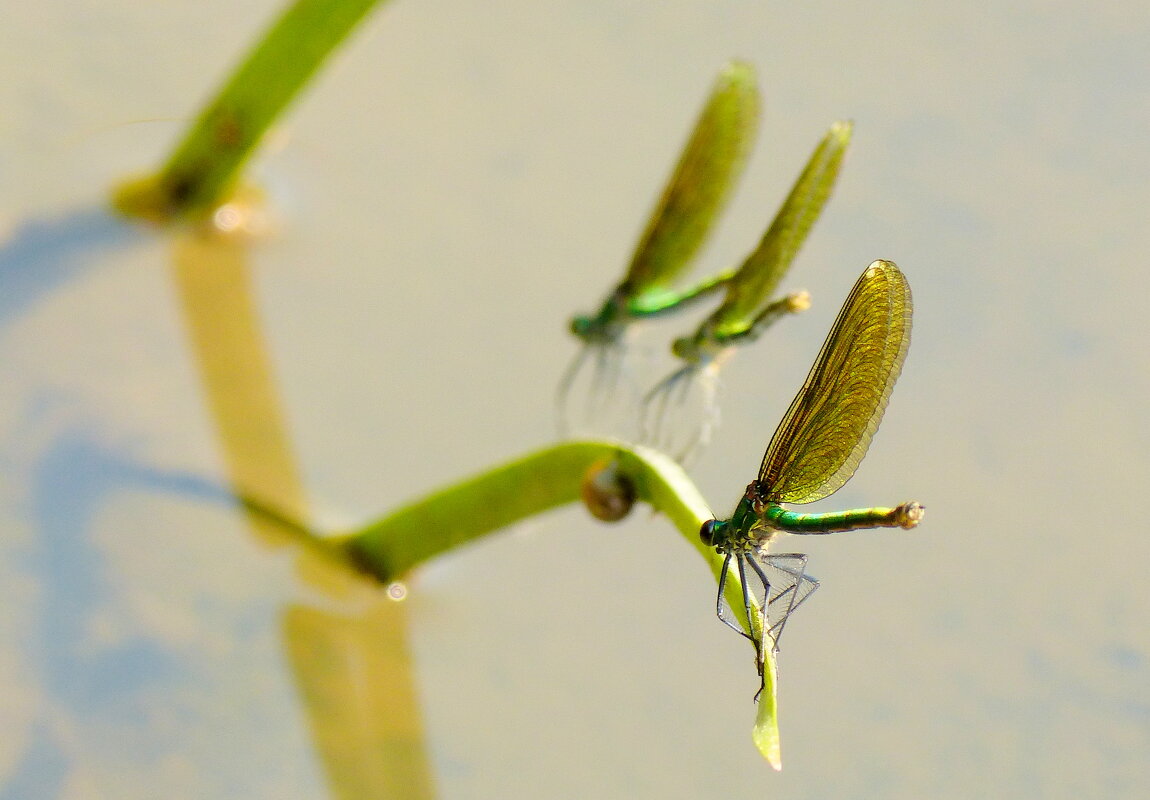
{"x": 582, "y": 326}
{"x": 702, "y": 348}
{"x": 602, "y": 328}
{"x": 686, "y": 348}
{"x": 607, "y": 325}
{"x": 712, "y": 532}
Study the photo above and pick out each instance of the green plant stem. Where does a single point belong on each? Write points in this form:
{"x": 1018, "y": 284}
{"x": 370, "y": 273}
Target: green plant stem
{"x": 460, "y": 514}
{"x": 205, "y": 165}
{"x": 530, "y": 485}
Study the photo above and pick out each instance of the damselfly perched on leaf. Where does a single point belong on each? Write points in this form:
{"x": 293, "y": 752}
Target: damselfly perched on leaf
{"x": 815, "y": 450}
{"x": 747, "y": 308}
{"x": 695, "y": 195}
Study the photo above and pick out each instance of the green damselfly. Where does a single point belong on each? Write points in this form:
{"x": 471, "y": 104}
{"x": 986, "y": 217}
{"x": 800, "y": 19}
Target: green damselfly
{"x": 695, "y": 195}
{"x": 748, "y": 307}
{"x": 815, "y": 450}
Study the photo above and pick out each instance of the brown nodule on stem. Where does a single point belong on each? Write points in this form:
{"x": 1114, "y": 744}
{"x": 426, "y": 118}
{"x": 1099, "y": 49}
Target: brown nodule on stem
{"x": 607, "y": 492}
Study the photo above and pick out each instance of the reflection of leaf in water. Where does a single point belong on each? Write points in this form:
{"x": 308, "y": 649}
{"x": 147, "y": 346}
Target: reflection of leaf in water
{"x": 354, "y": 677}
{"x": 212, "y": 276}
{"x": 353, "y": 672}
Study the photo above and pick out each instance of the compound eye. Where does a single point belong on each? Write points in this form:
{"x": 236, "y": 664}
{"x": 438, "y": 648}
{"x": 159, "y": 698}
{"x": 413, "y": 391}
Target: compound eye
{"x": 707, "y": 533}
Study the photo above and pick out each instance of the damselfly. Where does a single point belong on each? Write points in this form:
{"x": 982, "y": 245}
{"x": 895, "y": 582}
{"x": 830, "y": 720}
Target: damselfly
{"x": 692, "y": 200}
{"x": 815, "y": 450}
{"x": 748, "y": 308}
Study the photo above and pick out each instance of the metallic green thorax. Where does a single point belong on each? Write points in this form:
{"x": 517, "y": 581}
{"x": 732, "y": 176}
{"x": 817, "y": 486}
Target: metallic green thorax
{"x": 741, "y": 532}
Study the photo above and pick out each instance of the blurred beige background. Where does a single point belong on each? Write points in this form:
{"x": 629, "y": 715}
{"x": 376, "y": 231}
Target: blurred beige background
{"x": 460, "y": 181}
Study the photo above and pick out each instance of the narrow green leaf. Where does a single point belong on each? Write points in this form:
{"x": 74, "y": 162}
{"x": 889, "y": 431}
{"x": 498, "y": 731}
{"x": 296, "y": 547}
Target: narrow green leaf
{"x": 765, "y": 734}
{"x": 456, "y": 515}
{"x": 206, "y": 163}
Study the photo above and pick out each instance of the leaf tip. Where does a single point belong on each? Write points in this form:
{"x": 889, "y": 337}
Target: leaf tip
{"x": 766, "y": 731}
{"x": 766, "y": 738}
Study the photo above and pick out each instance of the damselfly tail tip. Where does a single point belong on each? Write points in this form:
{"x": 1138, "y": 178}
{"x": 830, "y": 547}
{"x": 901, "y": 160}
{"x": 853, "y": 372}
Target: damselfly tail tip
{"x": 798, "y": 302}
{"x": 910, "y": 514}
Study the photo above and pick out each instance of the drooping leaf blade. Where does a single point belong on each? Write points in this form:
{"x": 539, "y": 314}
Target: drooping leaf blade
{"x": 206, "y": 163}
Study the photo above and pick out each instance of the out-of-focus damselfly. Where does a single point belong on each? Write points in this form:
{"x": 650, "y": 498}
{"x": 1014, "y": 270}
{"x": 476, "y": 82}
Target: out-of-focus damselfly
{"x": 748, "y": 309}
{"x": 692, "y": 200}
